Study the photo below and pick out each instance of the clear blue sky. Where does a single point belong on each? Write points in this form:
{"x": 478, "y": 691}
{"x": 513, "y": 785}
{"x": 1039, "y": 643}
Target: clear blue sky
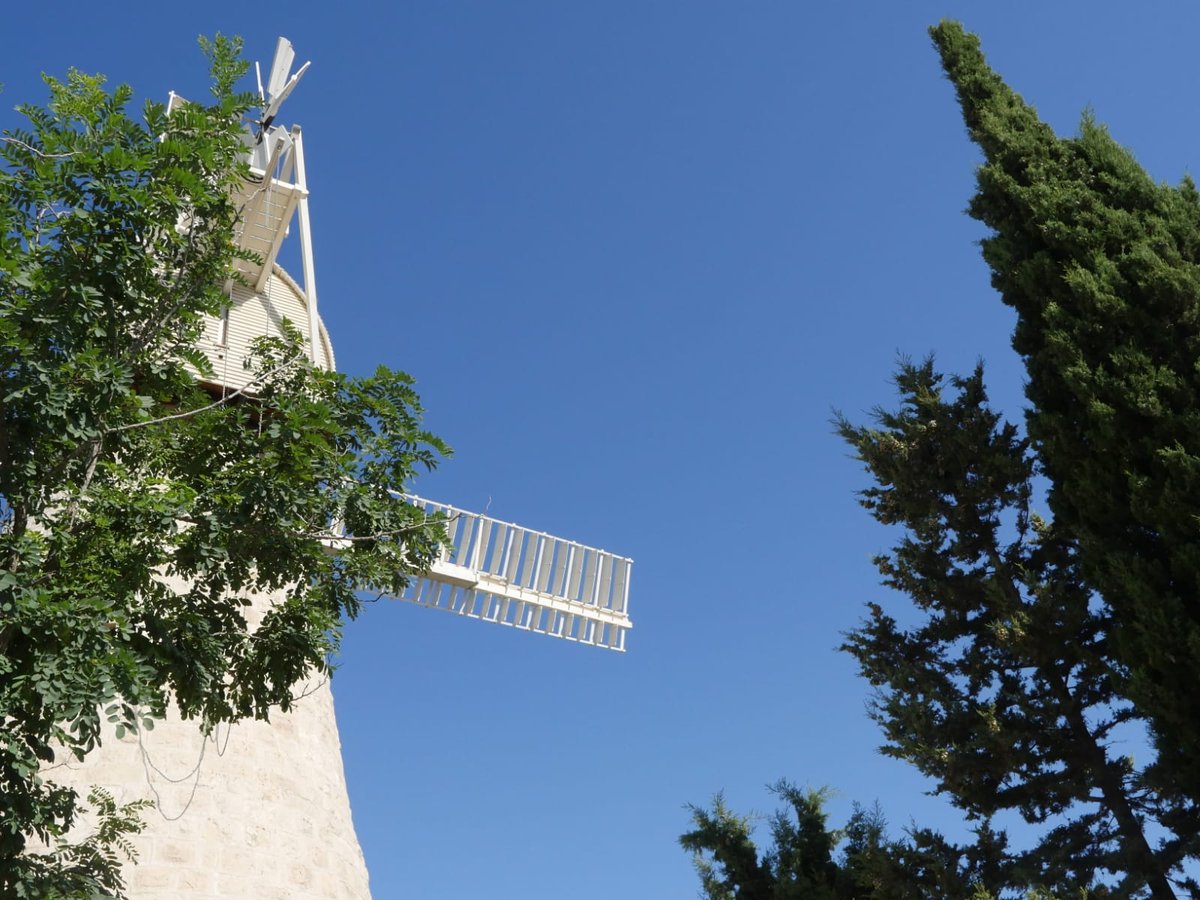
{"x": 635, "y": 254}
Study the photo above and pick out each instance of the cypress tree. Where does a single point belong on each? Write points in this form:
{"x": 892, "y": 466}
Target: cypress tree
{"x": 1102, "y": 266}
{"x": 1036, "y": 647}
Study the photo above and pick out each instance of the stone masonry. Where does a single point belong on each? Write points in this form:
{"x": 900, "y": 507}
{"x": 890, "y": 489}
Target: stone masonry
{"x": 256, "y": 811}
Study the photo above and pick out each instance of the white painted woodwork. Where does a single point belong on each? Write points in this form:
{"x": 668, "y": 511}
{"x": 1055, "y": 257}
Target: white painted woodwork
{"x": 259, "y": 313}
{"x": 503, "y": 573}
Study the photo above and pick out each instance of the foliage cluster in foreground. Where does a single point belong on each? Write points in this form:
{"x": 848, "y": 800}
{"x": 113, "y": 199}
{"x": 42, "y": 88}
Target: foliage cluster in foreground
{"x": 140, "y": 514}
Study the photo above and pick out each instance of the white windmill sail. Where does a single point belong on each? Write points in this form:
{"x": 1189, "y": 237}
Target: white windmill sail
{"x": 500, "y": 572}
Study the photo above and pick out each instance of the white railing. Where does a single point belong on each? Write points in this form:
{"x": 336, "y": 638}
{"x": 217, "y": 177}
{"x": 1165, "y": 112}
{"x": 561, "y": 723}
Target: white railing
{"x": 503, "y": 573}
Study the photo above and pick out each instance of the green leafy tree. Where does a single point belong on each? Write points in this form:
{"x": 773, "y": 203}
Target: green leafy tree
{"x": 1102, "y": 266}
{"x": 139, "y": 514}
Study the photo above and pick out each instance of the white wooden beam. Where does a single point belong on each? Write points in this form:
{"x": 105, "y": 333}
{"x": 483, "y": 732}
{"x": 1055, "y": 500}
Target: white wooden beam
{"x": 306, "y": 250}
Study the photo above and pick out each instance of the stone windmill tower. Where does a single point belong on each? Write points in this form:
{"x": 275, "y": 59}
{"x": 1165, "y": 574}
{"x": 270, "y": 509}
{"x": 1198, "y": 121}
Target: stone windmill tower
{"x": 261, "y": 811}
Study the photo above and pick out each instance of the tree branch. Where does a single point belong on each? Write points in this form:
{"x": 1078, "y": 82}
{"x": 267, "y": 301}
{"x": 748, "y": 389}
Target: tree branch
{"x": 8, "y": 139}
{"x": 219, "y": 402}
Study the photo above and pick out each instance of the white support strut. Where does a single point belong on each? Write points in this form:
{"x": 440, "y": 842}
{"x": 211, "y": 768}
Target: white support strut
{"x": 306, "y": 253}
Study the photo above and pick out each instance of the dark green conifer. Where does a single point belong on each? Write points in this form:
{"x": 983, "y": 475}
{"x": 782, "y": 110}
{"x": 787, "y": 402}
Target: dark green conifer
{"x": 1037, "y": 648}
{"x": 1102, "y": 266}
{"x": 998, "y": 685}
{"x": 808, "y": 860}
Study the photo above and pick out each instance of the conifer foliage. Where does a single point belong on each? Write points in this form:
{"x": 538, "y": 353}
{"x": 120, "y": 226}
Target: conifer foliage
{"x": 1039, "y": 650}
{"x": 998, "y": 686}
{"x": 809, "y": 860}
{"x": 1102, "y": 266}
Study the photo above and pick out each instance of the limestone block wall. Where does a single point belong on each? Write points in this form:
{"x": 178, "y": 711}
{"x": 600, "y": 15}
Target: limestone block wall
{"x": 256, "y": 811}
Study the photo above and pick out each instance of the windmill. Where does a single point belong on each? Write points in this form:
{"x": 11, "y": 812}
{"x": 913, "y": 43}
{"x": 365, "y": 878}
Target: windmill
{"x": 270, "y": 817}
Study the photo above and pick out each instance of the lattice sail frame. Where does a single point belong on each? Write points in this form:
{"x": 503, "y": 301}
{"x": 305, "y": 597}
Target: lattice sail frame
{"x": 500, "y": 572}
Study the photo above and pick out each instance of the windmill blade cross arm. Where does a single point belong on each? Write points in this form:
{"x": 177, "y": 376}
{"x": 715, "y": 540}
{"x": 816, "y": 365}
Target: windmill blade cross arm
{"x": 500, "y": 572}
{"x": 279, "y": 84}
{"x": 277, "y": 97}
